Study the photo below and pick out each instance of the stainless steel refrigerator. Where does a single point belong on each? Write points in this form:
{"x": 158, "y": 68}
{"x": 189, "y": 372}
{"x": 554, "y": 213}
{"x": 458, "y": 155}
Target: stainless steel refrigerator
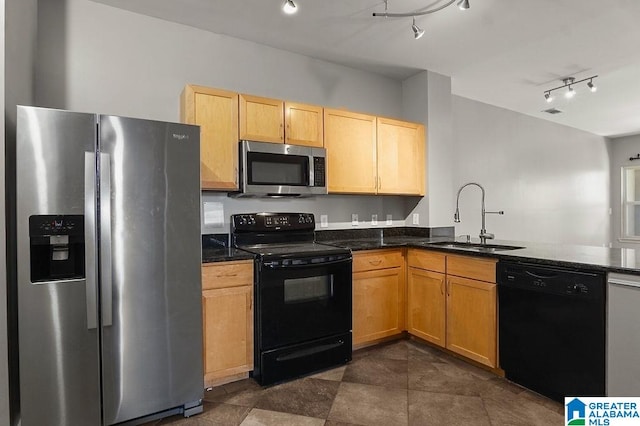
{"x": 108, "y": 268}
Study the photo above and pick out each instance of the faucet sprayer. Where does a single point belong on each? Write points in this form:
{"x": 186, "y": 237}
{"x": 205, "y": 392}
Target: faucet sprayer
{"x": 484, "y": 235}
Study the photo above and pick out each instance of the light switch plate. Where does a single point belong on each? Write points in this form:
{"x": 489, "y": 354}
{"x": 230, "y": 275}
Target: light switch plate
{"x": 389, "y": 219}
{"x": 324, "y": 221}
{"x": 374, "y": 219}
{"x": 354, "y": 219}
{"x": 416, "y": 218}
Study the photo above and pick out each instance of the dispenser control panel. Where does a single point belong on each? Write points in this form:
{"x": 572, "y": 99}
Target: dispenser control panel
{"x": 57, "y": 247}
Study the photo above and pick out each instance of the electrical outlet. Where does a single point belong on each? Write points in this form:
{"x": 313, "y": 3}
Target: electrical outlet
{"x": 354, "y": 219}
{"x": 324, "y": 221}
{"x": 374, "y": 219}
{"x": 416, "y": 218}
{"x": 389, "y": 219}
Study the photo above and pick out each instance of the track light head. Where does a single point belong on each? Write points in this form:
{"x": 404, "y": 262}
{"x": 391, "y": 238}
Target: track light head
{"x": 592, "y": 86}
{"x": 548, "y": 97}
{"x": 289, "y": 7}
{"x": 570, "y": 93}
{"x": 463, "y": 4}
{"x": 417, "y": 31}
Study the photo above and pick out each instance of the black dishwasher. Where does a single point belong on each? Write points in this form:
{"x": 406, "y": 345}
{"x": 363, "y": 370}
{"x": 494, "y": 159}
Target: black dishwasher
{"x": 552, "y": 329}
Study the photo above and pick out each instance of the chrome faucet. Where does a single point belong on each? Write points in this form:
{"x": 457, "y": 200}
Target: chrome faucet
{"x": 484, "y": 235}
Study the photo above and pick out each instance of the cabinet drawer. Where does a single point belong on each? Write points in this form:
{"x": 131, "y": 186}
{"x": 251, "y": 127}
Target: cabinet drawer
{"x": 429, "y": 260}
{"x": 227, "y": 274}
{"x": 472, "y": 267}
{"x": 378, "y": 259}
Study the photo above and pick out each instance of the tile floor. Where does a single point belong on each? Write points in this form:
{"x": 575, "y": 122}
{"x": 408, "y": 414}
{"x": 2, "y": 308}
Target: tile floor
{"x": 399, "y": 383}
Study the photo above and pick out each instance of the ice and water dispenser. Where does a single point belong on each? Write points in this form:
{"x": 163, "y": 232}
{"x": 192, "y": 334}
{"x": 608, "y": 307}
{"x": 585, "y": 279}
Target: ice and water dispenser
{"x": 57, "y": 247}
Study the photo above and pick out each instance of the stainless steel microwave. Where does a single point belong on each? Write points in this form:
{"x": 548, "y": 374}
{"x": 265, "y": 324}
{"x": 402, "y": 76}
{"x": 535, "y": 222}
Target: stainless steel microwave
{"x": 273, "y": 169}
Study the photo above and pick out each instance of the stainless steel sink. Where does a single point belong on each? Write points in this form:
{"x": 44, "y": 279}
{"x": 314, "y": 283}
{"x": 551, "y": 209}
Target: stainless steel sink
{"x": 473, "y": 246}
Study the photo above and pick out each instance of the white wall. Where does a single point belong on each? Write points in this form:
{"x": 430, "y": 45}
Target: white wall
{"x": 93, "y": 57}
{"x": 552, "y": 181}
{"x": 621, "y": 150}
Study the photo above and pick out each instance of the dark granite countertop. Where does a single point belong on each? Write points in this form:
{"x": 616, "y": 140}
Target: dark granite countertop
{"x": 573, "y": 256}
{"x": 223, "y": 254}
{"x": 215, "y": 248}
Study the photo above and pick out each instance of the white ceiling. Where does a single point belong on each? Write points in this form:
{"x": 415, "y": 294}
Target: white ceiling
{"x": 501, "y": 52}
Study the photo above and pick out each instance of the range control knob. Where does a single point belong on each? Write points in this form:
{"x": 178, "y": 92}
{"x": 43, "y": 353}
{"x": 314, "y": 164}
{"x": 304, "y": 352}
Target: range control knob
{"x": 301, "y": 219}
{"x": 252, "y": 220}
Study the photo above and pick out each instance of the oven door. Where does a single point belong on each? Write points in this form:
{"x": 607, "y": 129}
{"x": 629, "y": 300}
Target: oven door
{"x": 303, "y": 298}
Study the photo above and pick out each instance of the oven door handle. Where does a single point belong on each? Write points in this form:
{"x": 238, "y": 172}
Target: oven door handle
{"x": 275, "y": 265}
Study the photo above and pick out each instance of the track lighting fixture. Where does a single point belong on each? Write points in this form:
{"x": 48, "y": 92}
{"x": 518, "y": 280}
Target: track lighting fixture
{"x": 289, "y": 7}
{"x": 463, "y": 4}
{"x": 417, "y": 31}
{"x": 569, "y": 83}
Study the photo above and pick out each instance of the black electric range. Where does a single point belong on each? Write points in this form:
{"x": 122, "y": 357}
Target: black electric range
{"x": 302, "y": 293}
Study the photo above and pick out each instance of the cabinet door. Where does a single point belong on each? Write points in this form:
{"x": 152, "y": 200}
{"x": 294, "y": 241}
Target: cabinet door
{"x": 426, "y": 305}
{"x": 350, "y": 140}
{"x": 261, "y": 119}
{"x": 216, "y": 112}
{"x": 227, "y": 332}
{"x": 378, "y": 304}
{"x": 471, "y": 319}
{"x": 304, "y": 124}
{"x": 401, "y": 157}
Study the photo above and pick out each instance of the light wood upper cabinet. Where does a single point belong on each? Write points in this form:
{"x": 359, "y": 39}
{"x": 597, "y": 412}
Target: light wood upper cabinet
{"x": 378, "y": 295}
{"x": 261, "y": 119}
{"x": 401, "y": 159}
{"x": 350, "y": 140}
{"x": 216, "y": 112}
{"x": 227, "y": 314}
{"x": 303, "y": 124}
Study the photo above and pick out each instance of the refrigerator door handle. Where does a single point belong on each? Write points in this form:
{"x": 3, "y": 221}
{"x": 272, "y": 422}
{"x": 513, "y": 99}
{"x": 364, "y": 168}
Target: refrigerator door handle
{"x": 90, "y": 238}
{"x": 106, "y": 284}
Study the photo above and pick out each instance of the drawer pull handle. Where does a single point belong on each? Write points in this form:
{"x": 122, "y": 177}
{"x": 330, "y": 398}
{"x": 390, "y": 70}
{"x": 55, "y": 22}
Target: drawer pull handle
{"x": 375, "y": 262}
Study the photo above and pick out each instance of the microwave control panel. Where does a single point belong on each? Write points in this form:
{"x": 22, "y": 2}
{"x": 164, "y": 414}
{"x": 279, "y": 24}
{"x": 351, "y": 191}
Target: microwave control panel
{"x": 319, "y": 171}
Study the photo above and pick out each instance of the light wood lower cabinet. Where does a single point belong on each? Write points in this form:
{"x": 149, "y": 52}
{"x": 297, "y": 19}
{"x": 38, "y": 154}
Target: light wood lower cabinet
{"x": 471, "y": 319}
{"x": 378, "y": 295}
{"x": 426, "y": 305}
{"x": 227, "y": 305}
{"x": 456, "y": 309}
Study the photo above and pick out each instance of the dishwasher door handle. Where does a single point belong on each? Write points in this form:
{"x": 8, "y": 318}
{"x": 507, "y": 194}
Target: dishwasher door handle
{"x": 540, "y": 275}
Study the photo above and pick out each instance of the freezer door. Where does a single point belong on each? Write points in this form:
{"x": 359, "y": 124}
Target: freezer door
{"x": 150, "y": 255}
{"x": 58, "y": 338}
